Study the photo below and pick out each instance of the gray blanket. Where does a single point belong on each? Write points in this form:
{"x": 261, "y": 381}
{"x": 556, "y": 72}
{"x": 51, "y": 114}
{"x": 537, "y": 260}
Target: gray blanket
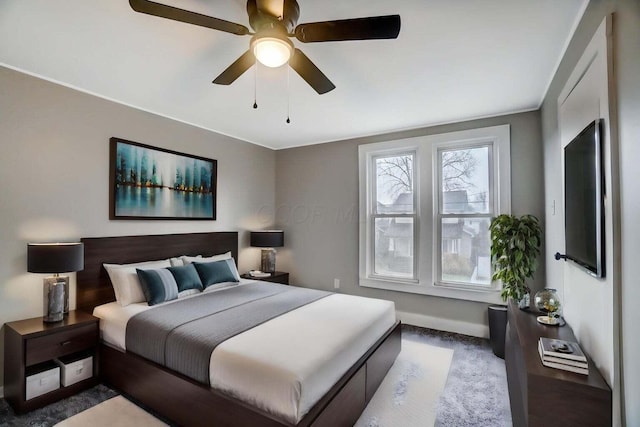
{"x": 182, "y": 335}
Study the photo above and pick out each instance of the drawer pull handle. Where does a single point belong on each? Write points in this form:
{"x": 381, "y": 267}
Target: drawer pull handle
{"x": 66, "y": 343}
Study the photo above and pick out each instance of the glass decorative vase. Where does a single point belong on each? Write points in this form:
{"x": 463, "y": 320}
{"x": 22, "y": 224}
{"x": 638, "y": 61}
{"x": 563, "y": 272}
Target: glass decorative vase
{"x": 524, "y": 302}
{"x": 547, "y": 301}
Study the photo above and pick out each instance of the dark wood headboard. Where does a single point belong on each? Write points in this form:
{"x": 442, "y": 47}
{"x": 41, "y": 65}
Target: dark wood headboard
{"x": 93, "y": 284}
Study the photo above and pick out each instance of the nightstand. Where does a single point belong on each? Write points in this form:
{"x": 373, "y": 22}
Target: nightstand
{"x": 276, "y": 277}
{"x": 30, "y": 347}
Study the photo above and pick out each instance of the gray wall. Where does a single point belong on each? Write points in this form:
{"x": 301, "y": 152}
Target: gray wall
{"x": 626, "y": 51}
{"x": 54, "y": 169}
{"x": 317, "y": 206}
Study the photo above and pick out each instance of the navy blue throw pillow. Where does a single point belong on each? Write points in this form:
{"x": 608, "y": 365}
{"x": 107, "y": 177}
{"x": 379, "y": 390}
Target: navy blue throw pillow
{"x": 214, "y": 272}
{"x": 186, "y": 277}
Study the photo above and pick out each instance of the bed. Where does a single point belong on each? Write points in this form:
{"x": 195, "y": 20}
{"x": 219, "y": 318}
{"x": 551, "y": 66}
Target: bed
{"x": 336, "y": 398}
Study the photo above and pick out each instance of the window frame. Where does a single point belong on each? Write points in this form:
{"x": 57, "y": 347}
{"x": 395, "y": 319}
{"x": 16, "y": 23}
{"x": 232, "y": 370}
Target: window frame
{"x": 426, "y": 202}
{"x": 372, "y": 214}
{"x": 439, "y": 215}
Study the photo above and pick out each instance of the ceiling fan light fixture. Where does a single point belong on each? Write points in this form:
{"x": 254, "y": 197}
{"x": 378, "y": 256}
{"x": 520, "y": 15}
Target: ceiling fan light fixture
{"x": 272, "y": 51}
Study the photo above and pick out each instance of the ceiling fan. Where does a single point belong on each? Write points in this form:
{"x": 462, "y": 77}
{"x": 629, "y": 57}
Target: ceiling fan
{"x": 274, "y": 22}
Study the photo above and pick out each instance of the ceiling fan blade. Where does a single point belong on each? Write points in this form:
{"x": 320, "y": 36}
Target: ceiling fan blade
{"x": 236, "y": 69}
{"x": 170, "y": 12}
{"x": 290, "y": 14}
{"x": 375, "y": 27}
{"x": 310, "y": 73}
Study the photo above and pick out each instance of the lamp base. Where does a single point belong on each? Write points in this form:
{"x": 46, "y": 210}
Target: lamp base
{"x": 268, "y": 260}
{"x": 54, "y": 298}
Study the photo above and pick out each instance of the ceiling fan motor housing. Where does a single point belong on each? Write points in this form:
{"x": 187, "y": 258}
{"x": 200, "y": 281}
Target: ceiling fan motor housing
{"x": 261, "y": 19}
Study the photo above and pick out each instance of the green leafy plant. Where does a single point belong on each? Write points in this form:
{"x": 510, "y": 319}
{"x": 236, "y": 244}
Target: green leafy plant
{"x": 515, "y": 244}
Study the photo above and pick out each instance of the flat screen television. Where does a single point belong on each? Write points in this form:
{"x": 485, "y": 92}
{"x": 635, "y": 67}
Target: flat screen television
{"x": 584, "y": 197}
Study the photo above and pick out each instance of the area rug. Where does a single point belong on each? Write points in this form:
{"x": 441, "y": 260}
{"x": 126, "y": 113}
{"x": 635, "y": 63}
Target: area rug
{"x": 407, "y": 397}
{"x": 115, "y": 412}
{"x": 409, "y": 394}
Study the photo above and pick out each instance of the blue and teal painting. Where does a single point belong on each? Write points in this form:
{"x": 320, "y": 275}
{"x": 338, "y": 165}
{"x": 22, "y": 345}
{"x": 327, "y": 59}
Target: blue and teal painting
{"x": 153, "y": 183}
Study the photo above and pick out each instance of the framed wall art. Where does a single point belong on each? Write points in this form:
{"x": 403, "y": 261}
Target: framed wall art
{"x": 153, "y": 183}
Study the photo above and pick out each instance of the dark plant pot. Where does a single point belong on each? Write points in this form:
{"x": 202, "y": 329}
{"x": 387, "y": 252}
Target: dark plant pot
{"x": 497, "y": 328}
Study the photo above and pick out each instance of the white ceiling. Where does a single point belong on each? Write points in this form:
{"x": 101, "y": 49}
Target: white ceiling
{"x": 453, "y": 60}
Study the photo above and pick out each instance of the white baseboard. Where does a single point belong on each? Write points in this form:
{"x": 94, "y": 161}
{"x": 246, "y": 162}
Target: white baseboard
{"x": 457, "y": 326}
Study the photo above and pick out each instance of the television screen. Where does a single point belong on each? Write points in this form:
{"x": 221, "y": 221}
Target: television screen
{"x": 584, "y": 189}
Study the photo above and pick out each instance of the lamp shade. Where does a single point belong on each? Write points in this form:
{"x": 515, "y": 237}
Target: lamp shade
{"x": 55, "y": 257}
{"x": 267, "y": 238}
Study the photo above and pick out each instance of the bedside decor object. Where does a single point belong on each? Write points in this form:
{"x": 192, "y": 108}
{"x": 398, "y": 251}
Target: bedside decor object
{"x": 258, "y": 274}
{"x": 154, "y": 183}
{"x": 55, "y": 258}
{"x": 281, "y": 277}
{"x": 547, "y": 301}
{"x": 268, "y": 239}
{"x": 565, "y": 355}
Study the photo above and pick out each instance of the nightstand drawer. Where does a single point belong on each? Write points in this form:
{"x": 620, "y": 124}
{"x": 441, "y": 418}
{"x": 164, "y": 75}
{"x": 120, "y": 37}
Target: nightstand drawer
{"x": 61, "y": 343}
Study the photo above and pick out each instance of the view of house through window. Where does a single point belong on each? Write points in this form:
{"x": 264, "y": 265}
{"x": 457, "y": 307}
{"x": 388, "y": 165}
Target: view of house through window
{"x": 465, "y": 210}
{"x": 394, "y": 216}
{"x": 425, "y": 206}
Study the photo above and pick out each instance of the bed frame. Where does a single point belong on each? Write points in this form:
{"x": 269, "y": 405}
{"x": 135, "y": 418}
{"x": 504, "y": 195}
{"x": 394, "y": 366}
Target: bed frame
{"x": 180, "y": 399}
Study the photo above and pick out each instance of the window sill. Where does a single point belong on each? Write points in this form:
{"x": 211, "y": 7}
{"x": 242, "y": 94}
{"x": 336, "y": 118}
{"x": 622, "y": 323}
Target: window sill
{"x": 490, "y": 296}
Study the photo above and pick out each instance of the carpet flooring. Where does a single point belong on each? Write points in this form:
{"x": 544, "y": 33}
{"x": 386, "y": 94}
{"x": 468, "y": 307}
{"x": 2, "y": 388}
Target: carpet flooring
{"x": 409, "y": 393}
{"x": 475, "y": 394}
{"x": 114, "y": 412}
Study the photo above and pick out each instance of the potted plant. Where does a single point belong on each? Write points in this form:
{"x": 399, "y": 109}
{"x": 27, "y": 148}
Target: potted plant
{"x": 515, "y": 245}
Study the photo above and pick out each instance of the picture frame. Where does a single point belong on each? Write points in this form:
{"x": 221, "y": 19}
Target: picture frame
{"x": 151, "y": 183}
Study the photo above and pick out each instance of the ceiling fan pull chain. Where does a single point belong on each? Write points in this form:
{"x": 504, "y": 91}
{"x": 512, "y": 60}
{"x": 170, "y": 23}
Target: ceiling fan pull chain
{"x": 288, "y": 95}
{"x": 255, "y": 85}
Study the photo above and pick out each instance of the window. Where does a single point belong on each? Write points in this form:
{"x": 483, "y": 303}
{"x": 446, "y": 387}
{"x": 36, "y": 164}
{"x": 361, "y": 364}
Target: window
{"x": 465, "y": 209}
{"x": 393, "y": 216}
{"x": 425, "y": 208}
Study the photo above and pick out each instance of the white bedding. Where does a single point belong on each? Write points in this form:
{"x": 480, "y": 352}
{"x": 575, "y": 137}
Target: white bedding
{"x": 283, "y": 366}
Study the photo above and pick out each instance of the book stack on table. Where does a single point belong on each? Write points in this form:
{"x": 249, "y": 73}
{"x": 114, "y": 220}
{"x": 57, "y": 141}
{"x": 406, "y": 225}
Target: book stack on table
{"x": 560, "y": 354}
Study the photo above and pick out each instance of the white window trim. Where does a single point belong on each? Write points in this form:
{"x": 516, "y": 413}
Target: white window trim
{"x": 425, "y": 260}
{"x": 498, "y": 139}
{"x": 371, "y": 212}
{"x": 367, "y": 200}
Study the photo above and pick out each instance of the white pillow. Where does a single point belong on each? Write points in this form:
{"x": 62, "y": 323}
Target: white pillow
{"x": 191, "y": 259}
{"x": 177, "y": 262}
{"x": 125, "y": 281}
{"x": 234, "y": 269}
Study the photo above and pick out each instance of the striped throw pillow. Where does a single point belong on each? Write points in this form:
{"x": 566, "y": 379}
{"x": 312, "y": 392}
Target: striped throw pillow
{"x": 158, "y": 286}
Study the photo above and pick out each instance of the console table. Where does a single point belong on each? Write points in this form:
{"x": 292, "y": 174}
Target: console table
{"x": 542, "y": 396}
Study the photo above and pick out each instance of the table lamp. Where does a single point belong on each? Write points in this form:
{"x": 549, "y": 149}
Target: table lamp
{"x": 55, "y": 258}
{"x": 268, "y": 239}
